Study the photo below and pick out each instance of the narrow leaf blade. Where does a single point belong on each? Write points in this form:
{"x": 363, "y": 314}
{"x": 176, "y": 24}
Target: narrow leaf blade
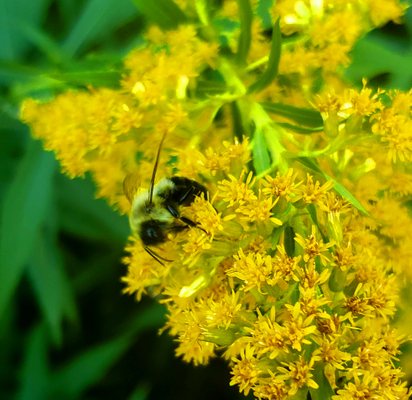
{"x": 272, "y": 67}
{"x": 245, "y": 37}
{"x": 342, "y": 190}
{"x": 88, "y": 368}
{"x": 300, "y": 129}
{"x": 104, "y": 78}
{"x": 50, "y": 285}
{"x": 82, "y": 215}
{"x": 164, "y": 13}
{"x": 324, "y": 391}
{"x": 310, "y": 164}
{"x": 97, "y": 19}
{"x": 347, "y": 195}
{"x": 23, "y": 211}
{"x": 261, "y": 158}
{"x": 302, "y": 116}
{"x": 34, "y": 375}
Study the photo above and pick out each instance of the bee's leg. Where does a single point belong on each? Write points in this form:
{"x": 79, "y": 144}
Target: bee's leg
{"x": 156, "y": 256}
{"x": 189, "y": 222}
{"x": 173, "y": 210}
{"x": 175, "y": 213}
{"x": 178, "y": 228}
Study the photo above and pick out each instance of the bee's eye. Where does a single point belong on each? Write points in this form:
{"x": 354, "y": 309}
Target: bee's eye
{"x": 152, "y": 233}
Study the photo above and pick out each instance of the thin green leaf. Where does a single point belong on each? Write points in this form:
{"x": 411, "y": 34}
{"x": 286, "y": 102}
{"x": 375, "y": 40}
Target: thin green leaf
{"x": 337, "y": 280}
{"x": 238, "y": 130}
{"x": 13, "y": 71}
{"x": 34, "y": 375}
{"x": 152, "y": 317}
{"x": 8, "y": 330}
{"x": 202, "y": 9}
{"x": 227, "y": 29}
{"x": 41, "y": 40}
{"x": 140, "y": 393}
{"x": 13, "y": 43}
{"x": 50, "y": 285}
{"x": 245, "y": 37}
{"x": 23, "y": 211}
{"x": 69, "y": 12}
{"x": 346, "y": 194}
{"x": 263, "y": 11}
{"x": 206, "y": 88}
{"x": 95, "y": 78}
{"x": 314, "y": 216}
{"x": 310, "y": 163}
{"x": 164, "y": 13}
{"x": 302, "y": 394}
{"x": 97, "y": 20}
{"x": 275, "y": 235}
{"x": 378, "y": 54}
{"x": 13, "y": 137}
{"x": 261, "y": 157}
{"x": 324, "y": 391}
{"x": 83, "y": 215}
{"x": 300, "y": 129}
{"x": 303, "y": 116}
{"x": 272, "y": 67}
{"x": 88, "y": 368}
{"x": 289, "y": 241}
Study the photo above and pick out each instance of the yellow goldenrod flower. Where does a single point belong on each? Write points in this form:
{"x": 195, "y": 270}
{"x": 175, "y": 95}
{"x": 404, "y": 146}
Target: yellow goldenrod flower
{"x": 313, "y": 192}
{"x": 298, "y": 374}
{"x": 253, "y": 269}
{"x": 245, "y": 371}
{"x": 268, "y": 336}
{"x": 282, "y": 186}
{"x": 272, "y": 387}
{"x": 330, "y": 352}
{"x": 313, "y": 247}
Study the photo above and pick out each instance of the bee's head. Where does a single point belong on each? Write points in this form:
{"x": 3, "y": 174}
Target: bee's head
{"x": 148, "y": 207}
{"x": 152, "y": 232}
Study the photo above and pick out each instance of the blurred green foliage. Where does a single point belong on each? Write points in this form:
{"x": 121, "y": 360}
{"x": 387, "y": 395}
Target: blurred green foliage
{"x": 384, "y": 56}
{"x": 66, "y": 331}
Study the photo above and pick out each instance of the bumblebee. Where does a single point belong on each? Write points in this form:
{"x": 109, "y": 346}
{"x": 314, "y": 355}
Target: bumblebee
{"x": 156, "y": 212}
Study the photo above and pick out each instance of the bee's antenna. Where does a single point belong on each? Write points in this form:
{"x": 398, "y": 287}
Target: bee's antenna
{"x": 156, "y": 256}
{"x": 152, "y": 181}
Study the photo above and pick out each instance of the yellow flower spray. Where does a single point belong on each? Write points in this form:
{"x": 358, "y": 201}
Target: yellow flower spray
{"x": 293, "y": 270}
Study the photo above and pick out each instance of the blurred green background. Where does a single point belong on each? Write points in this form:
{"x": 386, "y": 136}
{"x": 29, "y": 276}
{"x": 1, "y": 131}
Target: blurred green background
{"x": 66, "y": 330}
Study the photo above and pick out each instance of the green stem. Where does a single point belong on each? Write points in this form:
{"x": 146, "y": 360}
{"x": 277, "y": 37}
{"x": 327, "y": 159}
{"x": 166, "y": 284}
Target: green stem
{"x": 233, "y": 81}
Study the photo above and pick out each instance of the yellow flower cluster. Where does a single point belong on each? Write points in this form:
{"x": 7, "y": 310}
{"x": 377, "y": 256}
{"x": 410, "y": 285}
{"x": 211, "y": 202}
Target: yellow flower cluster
{"x": 322, "y": 34}
{"x": 111, "y": 132}
{"x": 375, "y": 137}
{"x": 289, "y": 305}
{"x": 293, "y": 267}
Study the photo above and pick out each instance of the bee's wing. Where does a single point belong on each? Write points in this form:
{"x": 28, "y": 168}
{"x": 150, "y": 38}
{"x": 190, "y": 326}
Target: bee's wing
{"x": 131, "y": 183}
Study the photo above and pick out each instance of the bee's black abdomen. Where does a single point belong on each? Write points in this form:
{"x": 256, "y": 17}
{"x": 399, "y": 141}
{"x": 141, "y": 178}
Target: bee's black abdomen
{"x": 152, "y": 232}
{"x": 185, "y": 190}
